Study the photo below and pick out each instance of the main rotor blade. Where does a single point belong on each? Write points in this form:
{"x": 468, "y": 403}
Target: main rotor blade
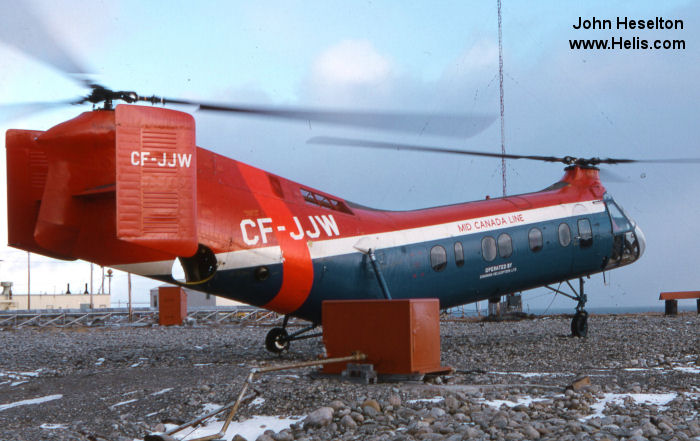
{"x": 458, "y": 125}
{"x": 20, "y": 28}
{"x": 9, "y": 112}
{"x": 568, "y": 160}
{"x": 347, "y": 142}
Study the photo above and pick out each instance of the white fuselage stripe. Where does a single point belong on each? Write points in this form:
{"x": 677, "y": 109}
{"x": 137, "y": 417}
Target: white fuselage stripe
{"x": 347, "y": 245}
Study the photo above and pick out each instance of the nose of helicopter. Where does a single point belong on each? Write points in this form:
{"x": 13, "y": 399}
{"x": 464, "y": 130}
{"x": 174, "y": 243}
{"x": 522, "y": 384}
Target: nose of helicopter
{"x": 641, "y": 240}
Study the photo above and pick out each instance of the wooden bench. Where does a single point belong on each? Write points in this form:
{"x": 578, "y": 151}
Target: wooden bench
{"x": 672, "y": 298}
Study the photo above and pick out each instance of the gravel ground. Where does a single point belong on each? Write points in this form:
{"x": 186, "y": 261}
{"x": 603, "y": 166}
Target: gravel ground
{"x": 121, "y": 383}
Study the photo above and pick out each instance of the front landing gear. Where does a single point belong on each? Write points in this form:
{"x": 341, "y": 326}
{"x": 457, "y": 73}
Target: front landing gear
{"x": 579, "y": 324}
{"x": 278, "y": 339}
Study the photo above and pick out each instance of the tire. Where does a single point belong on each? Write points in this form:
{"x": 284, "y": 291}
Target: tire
{"x": 276, "y": 340}
{"x": 579, "y": 325}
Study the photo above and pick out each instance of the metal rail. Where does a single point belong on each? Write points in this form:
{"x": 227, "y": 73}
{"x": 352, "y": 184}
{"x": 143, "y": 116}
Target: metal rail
{"x": 141, "y": 316}
{"x": 356, "y": 356}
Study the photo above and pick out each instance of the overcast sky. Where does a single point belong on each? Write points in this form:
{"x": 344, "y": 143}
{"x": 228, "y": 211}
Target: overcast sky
{"x": 431, "y": 57}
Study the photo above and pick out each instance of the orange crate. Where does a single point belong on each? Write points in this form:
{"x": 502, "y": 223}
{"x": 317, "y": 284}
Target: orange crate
{"x": 398, "y": 336}
{"x": 172, "y": 305}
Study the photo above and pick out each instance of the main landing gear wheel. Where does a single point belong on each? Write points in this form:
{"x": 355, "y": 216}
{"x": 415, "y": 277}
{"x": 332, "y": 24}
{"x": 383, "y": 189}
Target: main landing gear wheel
{"x": 277, "y": 340}
{"x": 579, "y": 324}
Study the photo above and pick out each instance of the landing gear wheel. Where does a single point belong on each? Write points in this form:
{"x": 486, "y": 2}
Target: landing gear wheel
{"x": 579, "y": 324}
{"x": 276, "y": 340}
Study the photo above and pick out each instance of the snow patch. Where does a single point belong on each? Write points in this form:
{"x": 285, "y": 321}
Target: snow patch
{"x": 31, "y": 401}
{"x": 209, "y": 408}
{"x": 653, "y": 399}
{"x": 122, "y": 403}
{"x": 48, "y": 426}
{"x": 162, "y": 391}
{"x": 427, "y": 400}
{"x": 687, "y": 369}
{"x": 532, "y": 374}
{"x": 248, "y": 429}
{"x": 525, "y": 401}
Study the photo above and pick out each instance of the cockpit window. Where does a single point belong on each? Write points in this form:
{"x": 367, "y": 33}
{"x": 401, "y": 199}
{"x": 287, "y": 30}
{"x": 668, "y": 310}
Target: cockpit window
{"x": 619, "y": 220}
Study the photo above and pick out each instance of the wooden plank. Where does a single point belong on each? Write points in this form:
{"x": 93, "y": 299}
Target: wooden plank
{"x": 676, "y": 295}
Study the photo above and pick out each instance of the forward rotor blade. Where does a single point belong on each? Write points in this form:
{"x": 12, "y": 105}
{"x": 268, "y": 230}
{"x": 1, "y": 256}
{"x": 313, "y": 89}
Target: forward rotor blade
{"x": 418, "y": 148}
{"x": 459, "y": 125}
{"x": 20, "y": 28}
{"x": 649, "y": 161}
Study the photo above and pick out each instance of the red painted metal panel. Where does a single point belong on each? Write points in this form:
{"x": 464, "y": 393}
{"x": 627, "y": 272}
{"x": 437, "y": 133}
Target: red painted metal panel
{"x": 156, "y": 179}
{"x": 398, "y": 336}
{"x": 27, "y": 169}
{"x": 297, "y": 268}
{"x": 677, "y": 295}
{"x": 172, "y": 305}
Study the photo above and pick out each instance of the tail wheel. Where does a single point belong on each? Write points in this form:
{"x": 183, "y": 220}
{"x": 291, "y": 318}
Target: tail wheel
{"x": 579, "y": 324}
{"x": 277, "y": 340}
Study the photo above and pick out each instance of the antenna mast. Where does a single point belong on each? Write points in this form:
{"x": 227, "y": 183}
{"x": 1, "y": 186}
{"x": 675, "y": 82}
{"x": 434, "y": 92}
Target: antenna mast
{"x": 500, "y": 82}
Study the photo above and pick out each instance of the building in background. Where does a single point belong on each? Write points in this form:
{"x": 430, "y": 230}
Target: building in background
{"x": 13, "y": 302}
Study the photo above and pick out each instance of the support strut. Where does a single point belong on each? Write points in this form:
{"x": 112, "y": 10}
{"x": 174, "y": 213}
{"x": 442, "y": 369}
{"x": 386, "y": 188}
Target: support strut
{"x": 579, "y": 323}
{"x": 378, "y": 273}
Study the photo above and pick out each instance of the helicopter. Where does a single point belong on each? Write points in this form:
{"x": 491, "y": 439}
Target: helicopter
{"x": 125, "y": 186}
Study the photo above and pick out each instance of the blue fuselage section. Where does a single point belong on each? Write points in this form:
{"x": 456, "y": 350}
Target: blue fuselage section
{"x": 418, "y": 271}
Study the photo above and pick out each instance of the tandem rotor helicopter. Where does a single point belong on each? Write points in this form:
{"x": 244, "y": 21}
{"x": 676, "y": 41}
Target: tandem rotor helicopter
{"x": 126, "y": 187}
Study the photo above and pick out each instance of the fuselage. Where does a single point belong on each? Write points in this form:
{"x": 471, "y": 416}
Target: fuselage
{"x": 271, "y": 242}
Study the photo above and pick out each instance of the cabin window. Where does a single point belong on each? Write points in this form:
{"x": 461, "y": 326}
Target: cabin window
{"x": 585, "y": 233}
{"x": 534, "y": 236}
{"x": 459, "y": 254}
{"x": 324, "y": 201}
{"x": 438, "y": 258}
{"x": 505, "y": 245}
{"x": 564, "y": 235}
{"x": 488, "y": 248}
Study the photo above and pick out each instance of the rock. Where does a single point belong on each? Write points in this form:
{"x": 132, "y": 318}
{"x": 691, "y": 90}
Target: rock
{"x": 284, "y": 435}
{"x": 357, "y": 417}
{"x": 395, "y": 400}
{"x": 370, "y": 411}
{"x": 319, "y": 417}
{"x": 452, "y": 403}
{"x": 336, "y": 405}
{"x": 347, "y": 422}
{"x": 665, "y": 427}
{"x": 500, "y": 422}
{"x": 437, "y": 412}
{"x": 473, "y": 432}
{"x": 530, "y": 432}
{"x": 373, "y": 404}
{"x": 649, "y": 430}
{"x": 238, "y": 437}
{"x": 159, "y": 437}
{"x": 580, "y": 383}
